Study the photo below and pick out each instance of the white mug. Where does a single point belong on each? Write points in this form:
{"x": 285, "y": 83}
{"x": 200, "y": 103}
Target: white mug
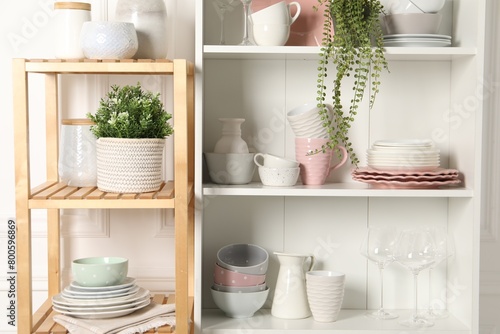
{"x": 279, "y": 13}
{"x": 270, "y": 34}
{"x": 306, "y": 122}
{"x": 273, "y": 161}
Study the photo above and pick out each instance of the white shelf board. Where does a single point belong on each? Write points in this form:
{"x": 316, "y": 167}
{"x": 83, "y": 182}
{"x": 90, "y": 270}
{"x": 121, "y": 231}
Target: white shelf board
{"x": 312, "y": 52}
{"x": 350, "y": 321}
{"x": 331, "y": 190}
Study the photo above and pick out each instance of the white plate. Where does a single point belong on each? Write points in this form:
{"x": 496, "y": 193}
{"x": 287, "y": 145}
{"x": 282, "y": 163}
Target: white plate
{"x": 98, "y": 308}
{"x": 417, "y": 44}
{"x": 60, "y": 300}
{"x": 129, "y": 281}
{"x": 404, "y": 143}
{"x": 68, "y": 293}
{"x": 102, "y": 314}
{"x": 409, "y": 36}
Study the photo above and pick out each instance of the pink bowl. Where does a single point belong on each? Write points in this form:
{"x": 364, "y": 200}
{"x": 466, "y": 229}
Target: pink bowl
{"x": 223, "y": 276}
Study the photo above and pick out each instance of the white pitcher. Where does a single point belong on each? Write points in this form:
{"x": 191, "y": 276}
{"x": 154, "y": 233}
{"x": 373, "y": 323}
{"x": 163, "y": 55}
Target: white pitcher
{"x": 290, "y": 297}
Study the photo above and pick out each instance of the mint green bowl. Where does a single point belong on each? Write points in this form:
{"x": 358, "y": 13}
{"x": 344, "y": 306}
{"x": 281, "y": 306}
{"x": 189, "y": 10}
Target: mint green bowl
{"x": 99, "y": 271}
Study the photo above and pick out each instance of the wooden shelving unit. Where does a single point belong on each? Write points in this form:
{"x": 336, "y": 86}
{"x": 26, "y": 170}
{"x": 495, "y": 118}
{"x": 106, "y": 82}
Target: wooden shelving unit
{"x": 52, "y": 195}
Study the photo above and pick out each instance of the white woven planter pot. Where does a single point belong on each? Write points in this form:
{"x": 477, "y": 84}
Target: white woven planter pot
{"x": 129, "y": 165}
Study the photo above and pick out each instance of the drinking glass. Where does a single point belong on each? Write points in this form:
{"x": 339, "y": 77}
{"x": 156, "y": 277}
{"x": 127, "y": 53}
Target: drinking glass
{"x": 445, "y": 251}
{"x": 416, "y": 251}
{"x": 222, "y": 7}
{"x": 246, "y": 6}
{"x": 378, "y": 246}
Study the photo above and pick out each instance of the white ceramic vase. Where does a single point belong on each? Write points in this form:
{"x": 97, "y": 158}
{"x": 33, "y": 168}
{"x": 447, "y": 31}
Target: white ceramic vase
{"x": 231, "y": 141}
{"x": 150, "y": 20}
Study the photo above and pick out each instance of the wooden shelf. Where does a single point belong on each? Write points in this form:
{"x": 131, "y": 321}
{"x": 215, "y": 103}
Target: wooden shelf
{"x": 57, "y": 195}
{"x": 44, "y": 322}
{"x": 52, "y": 195}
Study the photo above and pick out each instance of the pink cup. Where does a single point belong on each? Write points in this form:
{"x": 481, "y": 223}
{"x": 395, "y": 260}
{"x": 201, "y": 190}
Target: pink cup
{"x": 315, "y": 168}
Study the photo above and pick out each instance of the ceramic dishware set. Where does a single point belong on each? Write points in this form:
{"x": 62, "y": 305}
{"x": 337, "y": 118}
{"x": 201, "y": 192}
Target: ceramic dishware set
{"x": 316, "y": 160}
{"x": 239, "y": 288}
{"x": 230, "y": 162}
{"x": 415, "y": 23}
{"x": 405, "y": 163}
{"x": 100, "y": 290}
{"x": 271, "y": 25}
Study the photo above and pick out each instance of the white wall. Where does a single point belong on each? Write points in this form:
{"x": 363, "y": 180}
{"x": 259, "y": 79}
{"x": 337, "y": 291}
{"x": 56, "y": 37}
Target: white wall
{"x": 143, "y": 236}
{"x": 146, "y": 237}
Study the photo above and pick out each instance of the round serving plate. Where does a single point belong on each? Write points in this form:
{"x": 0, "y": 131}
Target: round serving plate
{"x": 128, "y": 282}
{"x": 100, "y": 295}
{"x": 61, "y": 300}
{"x": 102, "y": 314}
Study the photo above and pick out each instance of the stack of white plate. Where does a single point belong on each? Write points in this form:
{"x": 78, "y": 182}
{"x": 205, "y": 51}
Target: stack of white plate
{"x": 403, "y": 154}
{"x": 417, "y": 40}
{"x": 101, "y": 302}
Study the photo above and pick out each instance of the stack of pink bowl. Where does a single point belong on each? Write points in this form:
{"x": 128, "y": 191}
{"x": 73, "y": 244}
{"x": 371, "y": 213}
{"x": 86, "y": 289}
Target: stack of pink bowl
{"x": 239, "y": 287}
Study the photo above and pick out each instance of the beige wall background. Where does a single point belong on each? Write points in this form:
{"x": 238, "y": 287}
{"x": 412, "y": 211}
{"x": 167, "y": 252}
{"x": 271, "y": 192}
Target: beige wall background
{"x": 146, "y": 236}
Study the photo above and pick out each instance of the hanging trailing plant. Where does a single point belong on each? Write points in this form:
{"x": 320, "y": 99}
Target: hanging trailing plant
{"x": 353, "y": 42}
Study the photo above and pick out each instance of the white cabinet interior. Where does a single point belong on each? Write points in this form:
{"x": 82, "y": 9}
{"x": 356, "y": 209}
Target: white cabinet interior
{"x": 429, "y": 93}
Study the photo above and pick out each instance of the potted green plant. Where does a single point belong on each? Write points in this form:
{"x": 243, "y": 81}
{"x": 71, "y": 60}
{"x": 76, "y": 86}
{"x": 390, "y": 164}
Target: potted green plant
{"x": 131, "y": 125}
{"x": 353, "y": 43}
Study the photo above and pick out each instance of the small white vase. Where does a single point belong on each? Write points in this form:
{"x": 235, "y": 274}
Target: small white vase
{"x": 231, "y": 141}
{"x": 150, "y": 20}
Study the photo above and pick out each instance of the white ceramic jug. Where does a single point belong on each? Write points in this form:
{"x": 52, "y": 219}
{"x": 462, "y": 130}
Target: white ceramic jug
{"x": 290, "y": 297}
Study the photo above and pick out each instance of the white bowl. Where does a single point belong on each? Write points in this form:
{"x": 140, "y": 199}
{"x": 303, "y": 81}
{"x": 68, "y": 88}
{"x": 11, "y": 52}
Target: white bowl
{"x": 412, "y": 23}
{"x": 239, "y": 305}
{"x": 230, "y": 168}
{"x": 108, "y": 40}
{"x": 279, "y": 177}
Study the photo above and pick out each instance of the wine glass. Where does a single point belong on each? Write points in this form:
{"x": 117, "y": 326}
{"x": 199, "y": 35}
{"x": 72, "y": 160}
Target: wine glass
{"x": 246, "y": 6}
{"x": 445, "y": 250}
{"x": 222, "y": 7}
{"x": 416, "y": 251}
{"x": 378, "y": 246}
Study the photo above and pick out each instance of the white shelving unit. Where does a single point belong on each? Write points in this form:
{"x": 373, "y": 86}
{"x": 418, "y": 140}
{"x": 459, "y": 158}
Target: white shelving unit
{"x": 429, "y": 93}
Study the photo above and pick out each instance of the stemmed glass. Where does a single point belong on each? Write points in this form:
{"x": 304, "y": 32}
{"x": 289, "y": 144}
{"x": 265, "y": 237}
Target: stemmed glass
{"x": 222, "y": 7}
{"x": 445, "y": 250}
{"x": 246, "y": 6}
{"x": 416, "y": 251}
{"x": 378, "y": 246}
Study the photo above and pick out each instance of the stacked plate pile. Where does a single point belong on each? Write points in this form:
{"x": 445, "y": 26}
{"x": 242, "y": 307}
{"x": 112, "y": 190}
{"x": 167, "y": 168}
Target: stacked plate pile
{"x": 417, "y": 40}
{"x": 405, "y": 163}
{"x": 100, "y": 302}
{"x": 406, "y": 154}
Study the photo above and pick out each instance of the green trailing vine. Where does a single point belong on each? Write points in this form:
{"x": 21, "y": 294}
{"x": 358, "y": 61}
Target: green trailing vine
{"x": 350, "y": 28}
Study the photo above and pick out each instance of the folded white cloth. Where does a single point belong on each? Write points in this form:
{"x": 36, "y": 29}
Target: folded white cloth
{"x": 152, "y": 316}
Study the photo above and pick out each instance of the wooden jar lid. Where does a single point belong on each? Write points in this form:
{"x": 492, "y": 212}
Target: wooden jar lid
{"x": 77, "y": 121}
{"x": 72, "y": 5}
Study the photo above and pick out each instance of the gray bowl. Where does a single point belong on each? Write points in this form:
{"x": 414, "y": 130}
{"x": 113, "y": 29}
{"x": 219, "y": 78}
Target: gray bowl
{"x": 230, "y": 168}
{"x": 244, "y": 258}
{"x": 239, "y": 305}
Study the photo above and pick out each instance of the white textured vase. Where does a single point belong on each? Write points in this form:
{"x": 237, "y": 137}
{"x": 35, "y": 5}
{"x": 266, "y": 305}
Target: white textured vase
{"x": 325, "y": 293}
{"x": 150, "y": 20}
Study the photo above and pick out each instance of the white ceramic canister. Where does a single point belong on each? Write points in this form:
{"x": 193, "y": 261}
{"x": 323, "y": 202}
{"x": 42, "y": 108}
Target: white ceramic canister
{"x": 77, "y": 153}
{"x": 150, "y": 20}
{"x": 70, "y": 17}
